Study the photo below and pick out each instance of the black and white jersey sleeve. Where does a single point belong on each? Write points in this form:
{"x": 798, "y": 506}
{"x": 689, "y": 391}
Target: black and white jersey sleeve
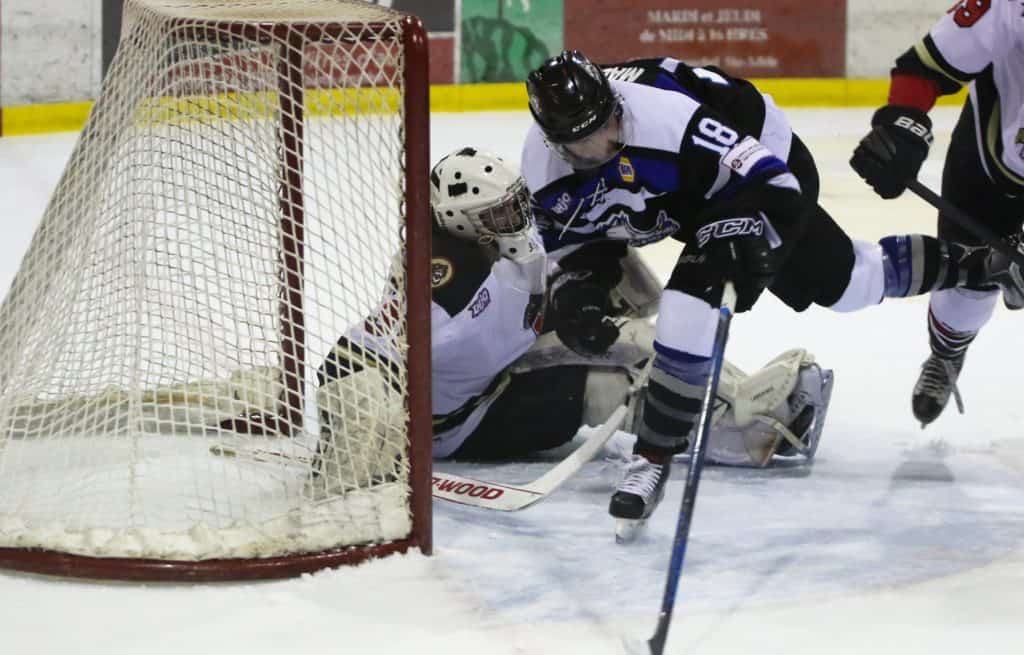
{"x": 980, "y": 42}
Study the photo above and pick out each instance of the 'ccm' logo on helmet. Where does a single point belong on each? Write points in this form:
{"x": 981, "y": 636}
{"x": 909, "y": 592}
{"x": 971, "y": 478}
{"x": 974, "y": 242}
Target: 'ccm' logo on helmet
{"x": 584, "y": 125}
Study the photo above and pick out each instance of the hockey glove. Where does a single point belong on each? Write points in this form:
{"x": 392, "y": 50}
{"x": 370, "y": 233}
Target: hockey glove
{"x": 580, "y": 312}
{"x": 892, "y": 153}
{"x": 738, "y": 250}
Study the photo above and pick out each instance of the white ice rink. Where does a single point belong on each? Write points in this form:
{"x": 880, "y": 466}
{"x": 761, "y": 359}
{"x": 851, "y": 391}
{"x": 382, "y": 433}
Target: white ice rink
{"x": 896, "y": 540}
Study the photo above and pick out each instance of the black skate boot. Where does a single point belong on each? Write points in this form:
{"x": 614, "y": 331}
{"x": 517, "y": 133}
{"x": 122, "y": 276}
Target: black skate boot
{"x": 936, "y": 382}
{"x": 638, "y": 494}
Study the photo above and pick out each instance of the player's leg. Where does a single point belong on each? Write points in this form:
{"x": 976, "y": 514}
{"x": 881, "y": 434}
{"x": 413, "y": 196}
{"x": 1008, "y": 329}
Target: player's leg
{"x": 672, "y": 400}
{"x": 358, "y": 404}
{"x": 778, "y": 411}
{"x": 538, "y": 410}
{"x": 955, "y": 316}
{"x": 824, "y": 266}
{"x": 554, "y": 390}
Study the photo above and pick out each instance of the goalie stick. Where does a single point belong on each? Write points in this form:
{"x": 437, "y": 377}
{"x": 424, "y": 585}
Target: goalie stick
{"x": 471, "y": 491}
{"x": 483, "y": 493}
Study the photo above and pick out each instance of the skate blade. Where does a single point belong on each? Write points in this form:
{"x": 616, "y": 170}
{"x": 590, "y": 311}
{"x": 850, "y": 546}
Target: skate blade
{"x": 627, "y": 530}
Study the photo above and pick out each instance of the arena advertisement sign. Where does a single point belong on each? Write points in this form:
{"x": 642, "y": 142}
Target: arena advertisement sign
{"x": 503, "y": 40}
{"x": 751, "y": 38}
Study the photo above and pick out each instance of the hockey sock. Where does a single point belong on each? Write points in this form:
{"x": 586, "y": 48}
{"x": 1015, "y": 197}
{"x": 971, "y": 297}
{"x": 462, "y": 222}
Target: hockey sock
{"x": 916, "y": 264}
{"x": 945, "y": 341}
{"x": 673, "y": 401}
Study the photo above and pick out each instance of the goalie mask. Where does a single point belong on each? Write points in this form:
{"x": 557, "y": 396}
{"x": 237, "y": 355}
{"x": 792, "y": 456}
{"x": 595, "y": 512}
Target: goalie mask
{"x": 475, "y": 195}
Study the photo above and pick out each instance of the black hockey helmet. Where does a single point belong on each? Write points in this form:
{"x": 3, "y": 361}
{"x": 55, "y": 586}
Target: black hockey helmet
{"x": 570, "y": 97}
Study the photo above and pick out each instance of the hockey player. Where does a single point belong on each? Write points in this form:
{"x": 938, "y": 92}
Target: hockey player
{"x": 502, "y": 386}
{"x": 654, "y": 148}
{"x": 980, "y": 44}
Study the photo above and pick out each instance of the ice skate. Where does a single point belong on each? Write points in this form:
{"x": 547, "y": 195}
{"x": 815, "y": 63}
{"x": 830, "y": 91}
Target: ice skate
{"x": 638, "y": 495}
{"x": 934, "y": 386}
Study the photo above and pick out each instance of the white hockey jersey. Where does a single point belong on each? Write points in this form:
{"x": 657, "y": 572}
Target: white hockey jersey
{"x": 474, "y": 340}
{"x": 485, "y": 313}
{"x": 981, "y": 42}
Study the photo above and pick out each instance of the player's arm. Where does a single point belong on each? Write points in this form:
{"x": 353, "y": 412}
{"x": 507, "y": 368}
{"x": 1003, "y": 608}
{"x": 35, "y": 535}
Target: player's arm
{"x": 956, "y": 50}
{"x": 745, "y": 195}
{"x": 581, "y": 288}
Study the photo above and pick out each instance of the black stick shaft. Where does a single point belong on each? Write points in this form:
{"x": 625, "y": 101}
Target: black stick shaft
{"x": 966, "y": 221}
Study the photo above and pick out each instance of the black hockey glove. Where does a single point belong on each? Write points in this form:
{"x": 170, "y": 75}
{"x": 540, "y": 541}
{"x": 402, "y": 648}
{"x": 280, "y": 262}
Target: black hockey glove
{"x": 579, "y": 308}
{"x": 892, "y": 153}
{"x": 738, "y": 250}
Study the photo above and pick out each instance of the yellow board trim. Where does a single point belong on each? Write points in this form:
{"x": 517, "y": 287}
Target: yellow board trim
{"x": 788, "y": 92}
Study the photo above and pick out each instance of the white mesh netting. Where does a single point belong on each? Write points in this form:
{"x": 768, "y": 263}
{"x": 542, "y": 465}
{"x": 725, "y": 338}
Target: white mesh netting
{"x": 234, "y": 204}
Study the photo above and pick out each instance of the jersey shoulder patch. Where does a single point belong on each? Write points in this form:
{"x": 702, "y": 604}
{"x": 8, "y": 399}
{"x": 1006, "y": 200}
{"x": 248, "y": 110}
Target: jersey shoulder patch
{"x": 457, "y": 270}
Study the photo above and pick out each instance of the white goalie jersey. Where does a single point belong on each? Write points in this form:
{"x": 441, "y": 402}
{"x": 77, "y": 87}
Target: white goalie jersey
{"x": 485, "y": 313}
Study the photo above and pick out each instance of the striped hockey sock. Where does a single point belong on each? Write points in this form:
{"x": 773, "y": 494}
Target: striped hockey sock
{"x": 673, "y": 401}
{"x": 945, "y": 341}
{"x": 916, "y": 264}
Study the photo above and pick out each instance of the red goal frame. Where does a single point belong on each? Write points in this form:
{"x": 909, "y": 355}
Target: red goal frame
{"x": 416, "y": 133}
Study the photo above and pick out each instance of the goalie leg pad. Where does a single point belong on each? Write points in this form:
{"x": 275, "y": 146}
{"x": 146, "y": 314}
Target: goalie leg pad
{"x": 361, "y": 440}
{"x": 780, "y": 410}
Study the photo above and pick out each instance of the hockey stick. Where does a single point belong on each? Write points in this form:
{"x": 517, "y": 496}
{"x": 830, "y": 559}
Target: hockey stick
{"x": 966, "y": 221}
{"x": 470, "y": 491}
{"x": 509, "y": 498}
{"x": 482, "y": 493}
{"x": 512, "y": 498}
{"x": 675, "y": 568}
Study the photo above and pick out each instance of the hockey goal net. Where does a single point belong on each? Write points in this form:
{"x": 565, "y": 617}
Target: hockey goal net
{"x": 250, "y": 183}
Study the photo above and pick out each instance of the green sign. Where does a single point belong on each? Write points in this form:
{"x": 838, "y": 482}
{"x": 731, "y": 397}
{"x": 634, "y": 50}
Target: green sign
{"x": 503, "y": 40}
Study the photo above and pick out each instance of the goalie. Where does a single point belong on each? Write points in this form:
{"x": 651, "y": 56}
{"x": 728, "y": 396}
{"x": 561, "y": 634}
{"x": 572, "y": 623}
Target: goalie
{"x": 525, "y": 351}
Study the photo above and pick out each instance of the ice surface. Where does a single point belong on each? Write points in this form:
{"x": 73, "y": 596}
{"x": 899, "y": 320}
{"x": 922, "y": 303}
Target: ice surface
{"x": 896, "y": 540}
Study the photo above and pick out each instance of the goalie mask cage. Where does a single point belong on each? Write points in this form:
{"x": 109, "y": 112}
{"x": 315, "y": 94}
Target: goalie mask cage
{"x": 250, "y": 185}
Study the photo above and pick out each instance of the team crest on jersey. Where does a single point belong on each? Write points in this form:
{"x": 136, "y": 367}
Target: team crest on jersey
{"x": 640, "y": 230}
{"x": 441, "y": 271}
{"x": 480, "y": 303}
{"x": 626, "y": 169}
{"x": 1019, "y": 142}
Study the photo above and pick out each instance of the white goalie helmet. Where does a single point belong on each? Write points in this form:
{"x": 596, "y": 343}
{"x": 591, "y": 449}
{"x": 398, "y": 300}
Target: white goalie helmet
{"x": 475, "y": 195}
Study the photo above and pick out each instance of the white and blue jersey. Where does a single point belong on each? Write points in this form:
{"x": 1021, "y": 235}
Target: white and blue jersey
{"x": 695, "y": 139}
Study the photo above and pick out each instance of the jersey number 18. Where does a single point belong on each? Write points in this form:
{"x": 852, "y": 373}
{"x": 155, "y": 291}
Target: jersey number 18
{"x": 719, "y": 137}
